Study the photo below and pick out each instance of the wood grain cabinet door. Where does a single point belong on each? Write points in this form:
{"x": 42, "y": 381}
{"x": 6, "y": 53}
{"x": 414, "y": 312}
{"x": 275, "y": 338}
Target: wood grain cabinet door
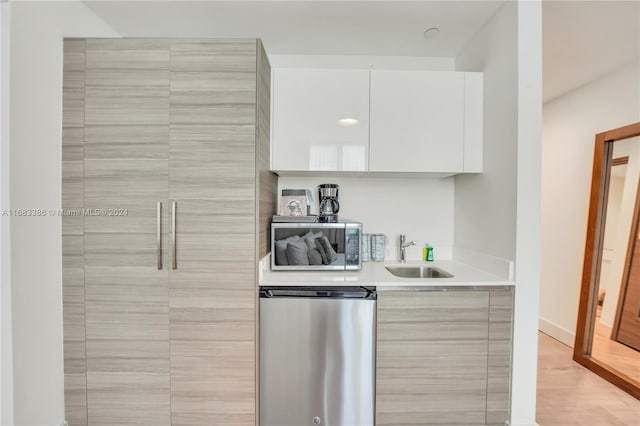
{"x": 212, "y": 180}
{"x": 125, "y": 176}
{"x": 432, "y": 350}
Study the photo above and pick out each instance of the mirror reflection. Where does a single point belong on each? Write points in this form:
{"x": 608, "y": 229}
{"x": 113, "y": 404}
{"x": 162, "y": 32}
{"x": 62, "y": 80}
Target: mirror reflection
{"x": 616, "y": 328}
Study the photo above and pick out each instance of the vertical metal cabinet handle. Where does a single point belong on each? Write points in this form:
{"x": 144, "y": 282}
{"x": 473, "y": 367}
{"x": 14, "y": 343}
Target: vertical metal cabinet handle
{"x": 174, "y": 260}
{"x": 159, "y": 236}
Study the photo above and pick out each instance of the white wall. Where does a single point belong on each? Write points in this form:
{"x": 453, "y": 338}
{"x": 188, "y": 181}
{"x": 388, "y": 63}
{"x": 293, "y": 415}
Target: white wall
{"x": 528, "y": 224}
{"x": 420, "y": 208}
{"x": 569, "y": 128}
{"x": 6, "y": 350}
{"x": 485, "y": 212}
{"x": 498, "y": 212}
{"x": 37, "y": 30}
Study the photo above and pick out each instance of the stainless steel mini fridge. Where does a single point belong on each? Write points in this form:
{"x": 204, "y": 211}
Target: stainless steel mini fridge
{"x": 317, "y": 356}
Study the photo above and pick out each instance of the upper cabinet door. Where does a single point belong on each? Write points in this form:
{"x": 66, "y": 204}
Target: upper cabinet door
{"x": 320, "y": 120}
{"x": 417, "y": 121}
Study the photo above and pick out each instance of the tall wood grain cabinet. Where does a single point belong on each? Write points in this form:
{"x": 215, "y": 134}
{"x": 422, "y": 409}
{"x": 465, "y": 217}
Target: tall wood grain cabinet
{"x": 167, "y": 197}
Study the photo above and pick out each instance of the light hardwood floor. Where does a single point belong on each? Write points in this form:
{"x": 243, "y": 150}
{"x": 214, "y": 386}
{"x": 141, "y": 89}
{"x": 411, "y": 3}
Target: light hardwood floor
{"x": 617, "y": 355}
{"x": 569, "y": 394}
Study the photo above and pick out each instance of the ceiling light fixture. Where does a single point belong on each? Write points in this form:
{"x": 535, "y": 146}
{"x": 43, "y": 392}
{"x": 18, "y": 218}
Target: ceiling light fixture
{"x": 431, "y": 32}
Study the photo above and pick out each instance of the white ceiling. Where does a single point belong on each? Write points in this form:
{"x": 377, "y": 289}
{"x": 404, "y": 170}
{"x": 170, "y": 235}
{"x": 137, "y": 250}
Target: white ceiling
{"x": 582, "y": 40}
{"x": 375, "y": 28}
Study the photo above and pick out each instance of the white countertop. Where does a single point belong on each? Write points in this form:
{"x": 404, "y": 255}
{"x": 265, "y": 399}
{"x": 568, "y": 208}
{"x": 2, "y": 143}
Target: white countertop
{"x": 375, "y": 274}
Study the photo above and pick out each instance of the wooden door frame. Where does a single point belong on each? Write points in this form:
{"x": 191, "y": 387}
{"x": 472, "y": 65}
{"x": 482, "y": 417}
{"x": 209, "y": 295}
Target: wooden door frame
{"x": 592, "y": 255}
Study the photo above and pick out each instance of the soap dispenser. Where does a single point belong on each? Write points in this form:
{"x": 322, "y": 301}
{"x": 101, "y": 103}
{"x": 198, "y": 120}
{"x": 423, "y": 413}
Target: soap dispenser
{"x": 427, "y": 253}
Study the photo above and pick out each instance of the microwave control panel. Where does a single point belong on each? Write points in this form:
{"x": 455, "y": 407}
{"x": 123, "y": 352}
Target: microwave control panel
{"x": 352, "y": 247}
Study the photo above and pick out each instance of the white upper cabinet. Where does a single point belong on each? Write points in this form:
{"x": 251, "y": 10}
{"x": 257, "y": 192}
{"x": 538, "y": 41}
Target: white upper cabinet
{"x": 405, "y": 121}
{"x": 320, "y": 120}
{"x": 417, "y": 121}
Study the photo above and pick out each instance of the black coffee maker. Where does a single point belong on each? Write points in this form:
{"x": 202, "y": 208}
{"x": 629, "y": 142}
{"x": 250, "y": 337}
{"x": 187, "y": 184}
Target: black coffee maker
{"x": 329, "y": 205}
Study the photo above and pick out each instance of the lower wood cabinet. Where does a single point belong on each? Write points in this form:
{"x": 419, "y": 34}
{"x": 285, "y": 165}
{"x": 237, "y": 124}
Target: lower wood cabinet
{"x": 443, "y": 357}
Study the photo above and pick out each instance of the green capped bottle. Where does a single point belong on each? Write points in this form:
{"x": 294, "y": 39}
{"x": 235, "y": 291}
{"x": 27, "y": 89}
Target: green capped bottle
{"x": 427, "y": 253}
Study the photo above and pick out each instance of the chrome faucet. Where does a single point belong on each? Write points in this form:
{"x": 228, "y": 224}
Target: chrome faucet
{"x": 403, "y": 248}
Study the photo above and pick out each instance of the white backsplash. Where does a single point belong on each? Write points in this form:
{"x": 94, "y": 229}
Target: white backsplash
{"x": 421, "y": 208}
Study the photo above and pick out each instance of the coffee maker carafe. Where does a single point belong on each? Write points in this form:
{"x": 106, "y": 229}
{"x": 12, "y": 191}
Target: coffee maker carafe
{"x": 329, "y": 205}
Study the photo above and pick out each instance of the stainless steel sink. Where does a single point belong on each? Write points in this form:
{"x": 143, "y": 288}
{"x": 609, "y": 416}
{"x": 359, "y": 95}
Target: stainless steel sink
{"x": 418, "y": 272}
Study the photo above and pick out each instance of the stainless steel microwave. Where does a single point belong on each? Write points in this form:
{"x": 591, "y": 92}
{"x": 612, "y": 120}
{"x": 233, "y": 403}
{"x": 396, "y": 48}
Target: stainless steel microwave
{"x": 316, "y": 246}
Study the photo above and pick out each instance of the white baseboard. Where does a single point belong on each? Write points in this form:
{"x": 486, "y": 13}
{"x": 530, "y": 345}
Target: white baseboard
{"x": 557, "y": 332}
